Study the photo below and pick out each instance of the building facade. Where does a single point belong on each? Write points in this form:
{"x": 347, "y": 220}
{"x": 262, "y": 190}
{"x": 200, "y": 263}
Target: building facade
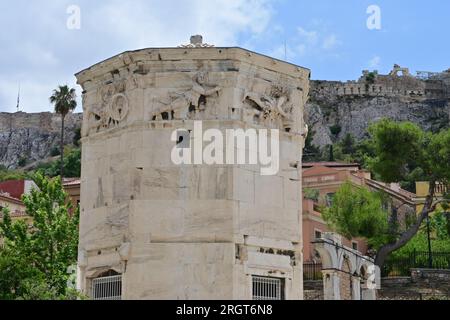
{"x": 322, "y": 180}
{"x": 72, "y": 187}
{"x": 155, "y": 229}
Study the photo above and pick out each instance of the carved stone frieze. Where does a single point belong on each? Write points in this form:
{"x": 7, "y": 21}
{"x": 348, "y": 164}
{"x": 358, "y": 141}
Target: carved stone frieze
{"x": 188, "y": 104}
{"x": 273, "y": 108}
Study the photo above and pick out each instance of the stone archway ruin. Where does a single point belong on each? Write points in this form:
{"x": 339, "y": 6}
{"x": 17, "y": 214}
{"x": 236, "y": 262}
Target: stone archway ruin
{"x": 346, "y": 273}
{"x": 396, "y": 69}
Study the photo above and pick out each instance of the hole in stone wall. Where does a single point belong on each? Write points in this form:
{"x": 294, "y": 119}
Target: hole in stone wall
{"x": 202, "y": 100}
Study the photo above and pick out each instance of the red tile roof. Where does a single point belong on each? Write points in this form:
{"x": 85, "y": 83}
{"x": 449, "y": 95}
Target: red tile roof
{"x": 15, "y": 188}
{"x": 318, "y": 170}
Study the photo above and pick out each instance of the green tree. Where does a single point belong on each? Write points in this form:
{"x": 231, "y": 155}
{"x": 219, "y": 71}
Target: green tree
{"x": 348, "y": 144}
{"x": 311, "y": 152}
{"x": 77, "y": 137}
{"x": 13, "y": 175}
{"x": 72, "y": 164}
{"x": 64, "y": 99}
{"x": 37, "y": 254}
{"x": 440, "y": 238}
{"x": 311, "y": 194}
{"x": 335, "y": 129}
{"x": 358, "y": 212}
{"x": 399, "y": 149}
{"x": 370, "y": 79}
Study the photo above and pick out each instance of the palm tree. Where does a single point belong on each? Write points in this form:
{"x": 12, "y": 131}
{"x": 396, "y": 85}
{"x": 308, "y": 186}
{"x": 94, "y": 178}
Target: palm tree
{"x": 64, "y": 99}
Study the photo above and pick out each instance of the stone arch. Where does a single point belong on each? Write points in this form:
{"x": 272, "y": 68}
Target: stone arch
{"x": 346, "y": 265}
{"x": 342, "y": 268}
{"x": 100, "y": 272}
{"x": 328, "y": 257}
{"x": 108, "y": 273}
{"x": 367, "y": 291}
{"x": 363, "y": 272}
{"x": 346, "y": 282}
{"x": 363, "y": 268}
{"x": 350, "y": 259}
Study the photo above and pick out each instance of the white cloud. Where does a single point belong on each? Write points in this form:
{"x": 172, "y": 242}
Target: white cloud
{"x": 330, "y": 42}
{"x": 311, "y": 37}
{"x": 301, "y": 49}
{"x": 155, "y": 23}
{"x": 317, "y": 40}
{"x": 34, "y": 93}
{"x": 374, "y": 62}
{"x": 42, "y": 53}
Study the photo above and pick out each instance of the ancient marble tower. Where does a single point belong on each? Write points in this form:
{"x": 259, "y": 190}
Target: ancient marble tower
{"x": 200, "y": 231}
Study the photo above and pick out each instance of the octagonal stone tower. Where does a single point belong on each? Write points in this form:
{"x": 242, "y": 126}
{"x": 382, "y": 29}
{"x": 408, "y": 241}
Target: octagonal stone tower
{"x": 198, "y": 231}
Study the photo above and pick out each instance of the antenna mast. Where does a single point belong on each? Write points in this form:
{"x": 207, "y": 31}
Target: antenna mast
{"x": 18, "y": 99}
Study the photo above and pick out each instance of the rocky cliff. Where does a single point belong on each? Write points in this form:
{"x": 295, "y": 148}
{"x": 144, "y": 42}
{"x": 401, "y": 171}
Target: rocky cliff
{"x": 32, "y": 136}
{"x": 338, "y": 108}
{"x": 331, "y": 119}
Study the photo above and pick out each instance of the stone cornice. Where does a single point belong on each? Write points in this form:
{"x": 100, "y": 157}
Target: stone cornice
{"x": 132, "y": 60}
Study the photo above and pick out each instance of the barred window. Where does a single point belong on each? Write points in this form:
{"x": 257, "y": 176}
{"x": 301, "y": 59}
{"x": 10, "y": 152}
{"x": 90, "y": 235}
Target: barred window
{"x": 266, "y": 288}
{"x": 107, "y": 286}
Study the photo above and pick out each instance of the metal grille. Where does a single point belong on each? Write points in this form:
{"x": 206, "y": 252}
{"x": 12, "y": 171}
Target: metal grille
{"x": 265, "y": 288}
{"x": 107, "y": 288}
{"x": 312, "y": 271}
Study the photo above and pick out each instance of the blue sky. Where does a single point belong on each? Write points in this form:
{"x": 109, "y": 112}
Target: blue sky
{"x": 328, "y": 36}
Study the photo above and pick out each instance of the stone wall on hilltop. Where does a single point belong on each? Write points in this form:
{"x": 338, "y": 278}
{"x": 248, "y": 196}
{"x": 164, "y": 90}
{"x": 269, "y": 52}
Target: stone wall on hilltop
{"x": 32, "y": 136}
{"x": 350, "y": 107}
